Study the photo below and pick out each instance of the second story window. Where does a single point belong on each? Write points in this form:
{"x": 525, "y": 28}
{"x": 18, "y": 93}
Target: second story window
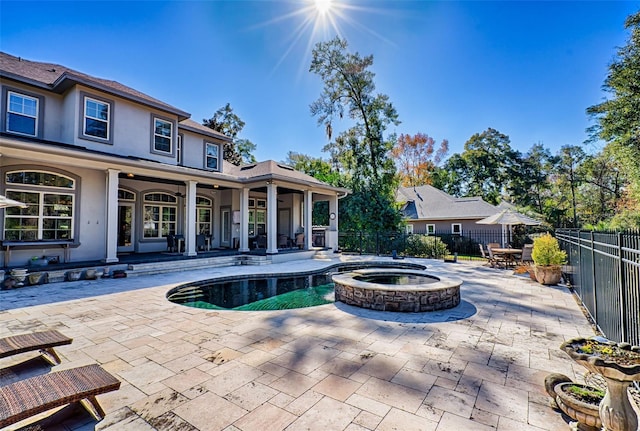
{"x": 211, "y": 156}
{"x": 22, "y": 114}
{"x": 96, "y": 118}
{"x": 162, "y": 135}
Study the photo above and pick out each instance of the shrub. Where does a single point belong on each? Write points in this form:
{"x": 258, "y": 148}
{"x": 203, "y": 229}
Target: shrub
{"x": 426, "y": 246}
{"x": 546, "y": 251}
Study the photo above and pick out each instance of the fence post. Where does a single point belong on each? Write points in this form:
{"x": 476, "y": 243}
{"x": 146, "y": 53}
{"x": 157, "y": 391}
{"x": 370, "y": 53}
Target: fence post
{"x": 593, "y": 277}
{"x": 623, "y": 302}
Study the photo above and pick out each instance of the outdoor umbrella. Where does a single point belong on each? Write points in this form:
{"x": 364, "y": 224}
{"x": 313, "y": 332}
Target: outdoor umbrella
{"x": 6, "y": 202}
{"x": 509, "y": 217}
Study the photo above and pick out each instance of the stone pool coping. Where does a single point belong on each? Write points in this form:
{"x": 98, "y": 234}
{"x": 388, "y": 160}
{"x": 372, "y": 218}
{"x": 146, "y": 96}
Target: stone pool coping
{"x": 440, "y": 295}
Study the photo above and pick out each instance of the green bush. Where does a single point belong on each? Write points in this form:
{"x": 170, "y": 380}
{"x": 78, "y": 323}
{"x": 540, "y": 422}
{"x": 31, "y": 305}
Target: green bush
{"x": 426, "y": 246}
{"x": 546, "y": 251}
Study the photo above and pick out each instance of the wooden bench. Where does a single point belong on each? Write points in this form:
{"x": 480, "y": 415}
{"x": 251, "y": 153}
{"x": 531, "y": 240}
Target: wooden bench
{"x": 26, "y": 398}
{"x": 44, "y": 341}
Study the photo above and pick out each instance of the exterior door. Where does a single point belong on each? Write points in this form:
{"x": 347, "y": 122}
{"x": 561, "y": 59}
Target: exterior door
{"x": 126, "y": 227}
{"x": 225, "y": 227}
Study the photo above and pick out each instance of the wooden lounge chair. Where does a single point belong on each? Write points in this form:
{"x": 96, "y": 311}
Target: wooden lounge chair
{"x": 44, "y": 341}
{"x": 29, "y": 397}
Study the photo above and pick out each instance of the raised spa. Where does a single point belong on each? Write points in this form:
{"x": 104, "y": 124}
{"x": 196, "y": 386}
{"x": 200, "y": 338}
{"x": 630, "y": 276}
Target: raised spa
{"x": 396, "y": 290}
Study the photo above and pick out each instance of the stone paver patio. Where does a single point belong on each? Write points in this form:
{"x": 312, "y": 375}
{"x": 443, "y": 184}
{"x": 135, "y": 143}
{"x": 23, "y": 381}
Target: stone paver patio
{"x": 480, "y": 366}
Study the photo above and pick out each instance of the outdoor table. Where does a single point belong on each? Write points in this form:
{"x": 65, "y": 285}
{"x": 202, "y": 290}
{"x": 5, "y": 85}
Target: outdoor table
{"x": 508, "y": 253}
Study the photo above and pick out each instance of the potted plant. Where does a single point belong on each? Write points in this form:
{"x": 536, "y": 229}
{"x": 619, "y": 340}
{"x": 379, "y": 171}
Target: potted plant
{"x": 581, "y": 403}
{"x": 548, "y": 258}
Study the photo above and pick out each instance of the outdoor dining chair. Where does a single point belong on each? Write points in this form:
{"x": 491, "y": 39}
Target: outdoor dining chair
{"x": 498, "y": 260}
{"x": 485, "y": 256}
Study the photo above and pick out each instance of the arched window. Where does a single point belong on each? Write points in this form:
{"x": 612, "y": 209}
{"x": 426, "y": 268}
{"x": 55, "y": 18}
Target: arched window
{"x": 203, "y": 215}
{"x": 126, "y": 195}
{"x": 160, "y": 214}
{"x": 50, "y": 211}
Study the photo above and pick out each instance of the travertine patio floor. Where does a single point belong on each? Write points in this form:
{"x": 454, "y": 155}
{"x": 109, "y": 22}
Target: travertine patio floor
{"x": 480, "y": 366}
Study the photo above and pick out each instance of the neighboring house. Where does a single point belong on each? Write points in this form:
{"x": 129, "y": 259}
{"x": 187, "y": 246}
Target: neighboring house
{"x": 429, "y": 210}
{"x": 106, "y": 169}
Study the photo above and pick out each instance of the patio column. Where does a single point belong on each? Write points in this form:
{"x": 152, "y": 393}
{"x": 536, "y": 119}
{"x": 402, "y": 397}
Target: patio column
{"x": 244, "y": 222}
{"x": 272, "y": 218}
{"x": 190, "y": 220}
{"x": 111, "y": 228}
{"x": 308, "y": 219}
{"x": 332, "y": 233}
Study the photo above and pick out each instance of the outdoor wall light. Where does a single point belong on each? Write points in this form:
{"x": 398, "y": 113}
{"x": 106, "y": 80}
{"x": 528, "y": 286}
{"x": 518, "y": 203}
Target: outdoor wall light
{"x": 130, "y": 175}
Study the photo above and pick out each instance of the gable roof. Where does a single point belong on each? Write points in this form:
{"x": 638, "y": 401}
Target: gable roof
{"x": 272, "y": 170}
{"x": 429, "y": 203}
{"x": 58, "y": 78}
{"x": 193, "y": 126}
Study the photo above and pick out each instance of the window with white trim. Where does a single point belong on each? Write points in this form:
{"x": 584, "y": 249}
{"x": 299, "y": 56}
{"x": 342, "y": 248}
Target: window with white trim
{"x": 50, "y": 200}
{"x": 431, "y": 229}
{"x": 212, "y": 156}
{"x": 203, "y": 215}
{"x": 96, "y": 118}
{"x": 456, "y": 228}
{"x": 160, "y": 215}
{"x": 162, "y": 135}
{"x": 22, "y": 114}
{"x": 408, "y": 229}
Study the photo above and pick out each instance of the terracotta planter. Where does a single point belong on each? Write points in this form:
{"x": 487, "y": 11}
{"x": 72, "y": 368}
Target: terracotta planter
{"x": 548, "y": 275}
{"x": 587, "y": 415}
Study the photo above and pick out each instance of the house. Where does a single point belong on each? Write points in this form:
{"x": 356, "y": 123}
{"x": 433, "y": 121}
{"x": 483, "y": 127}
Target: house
{"x": 429, "y": 210}
{"x": 106, "y": 169}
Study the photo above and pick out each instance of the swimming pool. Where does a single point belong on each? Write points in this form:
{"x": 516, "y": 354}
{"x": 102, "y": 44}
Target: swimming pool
{"x": 271, "y": 291}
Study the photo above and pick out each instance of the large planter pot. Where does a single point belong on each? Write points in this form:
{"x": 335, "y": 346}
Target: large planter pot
{"x": 586, "y": 414}
{"x": 548, "y": 275}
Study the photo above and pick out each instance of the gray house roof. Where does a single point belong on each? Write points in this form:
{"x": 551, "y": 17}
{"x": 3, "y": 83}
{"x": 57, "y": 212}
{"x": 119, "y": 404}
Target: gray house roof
{"x": 189, "y": 124}
{"x": 58, "y": 78}
{"x": 429, "y": 203}
{"x": 271, "y": 170}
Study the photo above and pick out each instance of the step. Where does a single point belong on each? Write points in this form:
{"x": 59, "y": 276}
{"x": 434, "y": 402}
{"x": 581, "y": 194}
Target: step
{"x": 180, "y": 265}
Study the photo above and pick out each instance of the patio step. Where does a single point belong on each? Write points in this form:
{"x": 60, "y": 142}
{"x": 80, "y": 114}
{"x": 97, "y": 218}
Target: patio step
{"x": 253, "y": 260}
{"x": 136, "y": 269}
{"x": 324, "y": 255}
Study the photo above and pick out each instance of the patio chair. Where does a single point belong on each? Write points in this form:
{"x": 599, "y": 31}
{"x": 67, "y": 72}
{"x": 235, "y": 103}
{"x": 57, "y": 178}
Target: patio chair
{"x": 26, "y": 398}
{"x": 486, "y": 256}
{"x": 44, "y": 341}
{"x": 201, "y": 242}
{"x": 283, "y": 241}
{"x": 497, "y": 260}
{"x": 526, "y": 253}
{"x": 300, "y": 240}
{"x": 172, "y": 244}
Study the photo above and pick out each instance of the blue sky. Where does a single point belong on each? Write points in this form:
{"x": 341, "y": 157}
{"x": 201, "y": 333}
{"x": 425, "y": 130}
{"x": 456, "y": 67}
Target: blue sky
{"x": 451, "y": 69}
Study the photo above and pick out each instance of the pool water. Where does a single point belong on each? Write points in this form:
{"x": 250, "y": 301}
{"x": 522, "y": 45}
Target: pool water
{"x": 270, "y": 292}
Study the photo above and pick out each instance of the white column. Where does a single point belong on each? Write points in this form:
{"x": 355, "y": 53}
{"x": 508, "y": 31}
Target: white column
{"x": 190, "y": 219}
{"x": 244, "y": 220}
{"x": 111, "y": 228}
{"x": 332, "y": 234}
{"x": 272, "y": 219}
{"x": 308, "y": 219}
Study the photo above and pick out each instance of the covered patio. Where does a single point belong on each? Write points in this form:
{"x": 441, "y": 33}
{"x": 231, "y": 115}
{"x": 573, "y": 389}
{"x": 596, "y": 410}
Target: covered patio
{"x": 479, "y": 366}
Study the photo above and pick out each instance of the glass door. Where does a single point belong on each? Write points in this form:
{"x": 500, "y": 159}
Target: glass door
{"x": 126, "y": 226}
{"x": 225, "y": 227}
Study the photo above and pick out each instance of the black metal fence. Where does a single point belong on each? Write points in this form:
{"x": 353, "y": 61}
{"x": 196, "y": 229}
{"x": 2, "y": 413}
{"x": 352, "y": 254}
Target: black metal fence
{"x": 604, "y": 271}
{"x": 465, "y": 245}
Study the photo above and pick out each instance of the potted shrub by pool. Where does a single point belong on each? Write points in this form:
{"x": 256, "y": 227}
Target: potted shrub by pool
{"x": 548, "y": 259}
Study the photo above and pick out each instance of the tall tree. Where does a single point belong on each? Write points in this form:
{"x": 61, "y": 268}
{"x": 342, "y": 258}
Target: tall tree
{"x": 225, "y": 121}
{"x": 246, "y": 148}
{"x": 529, "y": 186}
{"x": 569, "y": 178}
{"x": 618, "y": 117}
{"x": 417, "y": 158}
{"x": 314, "y": 166}
{"x": 485, "y": 167}
{"x": 362, "y": 150}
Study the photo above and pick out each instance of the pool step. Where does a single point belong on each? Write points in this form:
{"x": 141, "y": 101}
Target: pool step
{"x": 324, "y": 255}
{"x": 136, "y": 269}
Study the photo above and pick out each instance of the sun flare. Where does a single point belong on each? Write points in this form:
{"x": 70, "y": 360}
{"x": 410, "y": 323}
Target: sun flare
{"x": 323, "y": 7}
